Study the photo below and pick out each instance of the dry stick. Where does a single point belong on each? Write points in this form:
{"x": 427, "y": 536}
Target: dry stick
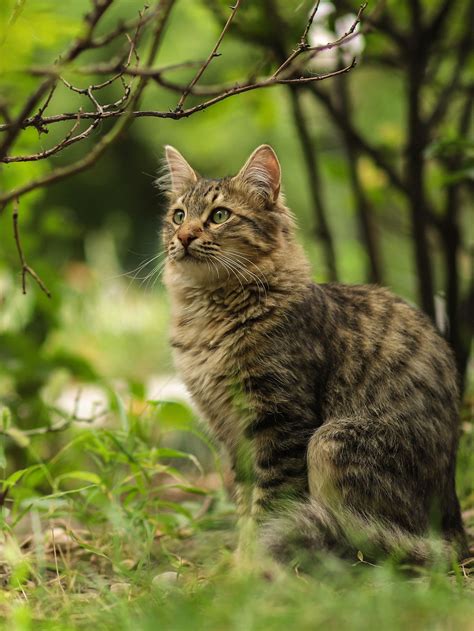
{"x": 68, "y": 140}
{"x": 379, "y": 20}
{"x": 113, "y": 66}
{"x": 25, "y": 268}
{"x": 213, "y": 54}
{"x": 226, "y": 91}
{"x": 315, "y": 183}
{"x": 346, "y": 37}
{"x": 14, "y": 128}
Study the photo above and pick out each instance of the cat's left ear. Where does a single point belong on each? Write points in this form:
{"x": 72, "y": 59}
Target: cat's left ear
{"x": 262, "y": 171}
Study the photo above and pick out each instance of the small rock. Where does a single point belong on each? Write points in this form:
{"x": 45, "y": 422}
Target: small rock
{"x": 165, "y": 580}
{"x": 120, "y": 588}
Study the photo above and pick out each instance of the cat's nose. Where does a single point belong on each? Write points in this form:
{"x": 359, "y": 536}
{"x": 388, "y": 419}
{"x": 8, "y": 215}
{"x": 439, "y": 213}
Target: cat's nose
{"x": 187, "y": 236}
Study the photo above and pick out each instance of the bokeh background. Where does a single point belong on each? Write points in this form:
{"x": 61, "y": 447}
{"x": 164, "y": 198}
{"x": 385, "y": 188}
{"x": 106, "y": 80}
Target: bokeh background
{"x": 96, "y": 428}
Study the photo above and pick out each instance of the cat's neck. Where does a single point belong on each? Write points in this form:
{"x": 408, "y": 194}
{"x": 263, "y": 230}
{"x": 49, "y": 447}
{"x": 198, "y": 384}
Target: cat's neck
{"x": 283, "y": 277}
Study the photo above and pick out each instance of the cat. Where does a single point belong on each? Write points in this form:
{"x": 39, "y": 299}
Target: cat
{"x": 337, "y": 405}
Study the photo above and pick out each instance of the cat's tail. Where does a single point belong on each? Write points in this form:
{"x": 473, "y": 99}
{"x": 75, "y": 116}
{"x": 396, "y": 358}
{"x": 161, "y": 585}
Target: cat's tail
{"x": 304, "y": 530}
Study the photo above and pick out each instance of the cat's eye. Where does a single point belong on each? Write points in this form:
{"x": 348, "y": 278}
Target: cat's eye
{"x": 220, "y": 215}
{"x": 178, "y": 216}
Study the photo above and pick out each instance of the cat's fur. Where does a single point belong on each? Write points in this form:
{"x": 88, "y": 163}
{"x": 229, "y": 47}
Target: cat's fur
{"x": 337, "y": 404}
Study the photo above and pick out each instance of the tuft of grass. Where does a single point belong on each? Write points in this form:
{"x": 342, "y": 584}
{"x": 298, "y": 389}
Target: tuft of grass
{"x": 114, "y": 525}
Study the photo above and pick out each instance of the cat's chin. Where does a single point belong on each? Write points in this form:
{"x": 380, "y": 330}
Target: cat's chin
{"x": 189, "y": 269}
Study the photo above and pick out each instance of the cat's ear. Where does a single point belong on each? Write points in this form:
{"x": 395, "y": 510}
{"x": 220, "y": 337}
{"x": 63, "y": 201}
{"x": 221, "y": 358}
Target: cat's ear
{"x": 179, "y": 174}
{"x": 262, "y": 171}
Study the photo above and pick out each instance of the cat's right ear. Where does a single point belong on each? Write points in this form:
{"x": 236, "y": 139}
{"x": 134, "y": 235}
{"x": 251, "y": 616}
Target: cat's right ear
{"x": 179, "y": 174}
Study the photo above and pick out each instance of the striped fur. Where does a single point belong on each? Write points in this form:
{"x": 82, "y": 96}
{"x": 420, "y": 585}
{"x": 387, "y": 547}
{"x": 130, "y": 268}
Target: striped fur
{"x": 340, "y": 399}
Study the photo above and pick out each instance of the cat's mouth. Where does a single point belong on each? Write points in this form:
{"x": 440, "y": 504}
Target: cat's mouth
{"x": 188, "y": 256}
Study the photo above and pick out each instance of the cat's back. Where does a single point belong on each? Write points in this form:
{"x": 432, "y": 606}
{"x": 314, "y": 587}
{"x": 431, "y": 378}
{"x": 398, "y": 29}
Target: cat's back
{"x": 387, "y": 352}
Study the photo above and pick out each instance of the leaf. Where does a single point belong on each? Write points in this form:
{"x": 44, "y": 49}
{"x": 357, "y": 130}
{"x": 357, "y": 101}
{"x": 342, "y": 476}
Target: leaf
{"x": 360, "y": 556}
{"x": 165, "y": 452}
{"x": 86, "y": 476}
{"x": 173, "y": 415}
{"x": 3, "y": 459}
{"x": 17, "y": 475}
{"x": 191, "y": 489}
{"x": 118, "y": 406}
{"x": 21, "y": 439}
{"x": 5, "y": 418}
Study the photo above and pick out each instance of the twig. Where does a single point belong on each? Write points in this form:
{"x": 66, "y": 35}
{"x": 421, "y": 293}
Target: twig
{"x": 213, "y": 54}
{"x": 302, "y": 45}
{"x": 25, "y": 268}
{"x": 343, "y": 39}
{"x": 97, "y": 151}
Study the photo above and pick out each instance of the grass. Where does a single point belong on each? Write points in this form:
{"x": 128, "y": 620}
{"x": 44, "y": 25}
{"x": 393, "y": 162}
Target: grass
{"x": 123, "y": 530}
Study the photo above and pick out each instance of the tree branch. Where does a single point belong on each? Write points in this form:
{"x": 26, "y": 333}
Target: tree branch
{"x": 314, "y": 182}
{"x": 25, "y": 268}
{"x": 211, "y": 56}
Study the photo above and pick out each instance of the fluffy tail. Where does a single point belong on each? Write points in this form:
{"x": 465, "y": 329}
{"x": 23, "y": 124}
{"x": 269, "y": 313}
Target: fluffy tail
{"x": 307, "y": 529}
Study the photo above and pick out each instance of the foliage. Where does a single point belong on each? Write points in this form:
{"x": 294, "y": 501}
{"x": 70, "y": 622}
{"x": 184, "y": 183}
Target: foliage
{"x": 113, "y": 504}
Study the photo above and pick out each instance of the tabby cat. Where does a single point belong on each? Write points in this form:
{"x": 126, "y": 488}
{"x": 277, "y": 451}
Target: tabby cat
{"x": 337, "y": 405}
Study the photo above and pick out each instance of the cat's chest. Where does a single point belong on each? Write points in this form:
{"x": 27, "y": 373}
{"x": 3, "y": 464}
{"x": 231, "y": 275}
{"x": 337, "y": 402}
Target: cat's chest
{"x": 211, "y": 360}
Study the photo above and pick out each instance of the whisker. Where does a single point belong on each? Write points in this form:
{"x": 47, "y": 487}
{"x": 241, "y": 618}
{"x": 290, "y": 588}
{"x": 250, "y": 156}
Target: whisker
{"x": 260, "y": 284}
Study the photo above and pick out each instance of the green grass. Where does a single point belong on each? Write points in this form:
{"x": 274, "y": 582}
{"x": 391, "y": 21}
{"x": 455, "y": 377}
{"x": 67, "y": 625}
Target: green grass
{"x": 122, "y": 530}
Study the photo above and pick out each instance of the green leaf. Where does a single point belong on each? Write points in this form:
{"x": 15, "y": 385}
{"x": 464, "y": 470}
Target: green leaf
{"x": 118, "y": 406}
{"x": 5, "y": 418}
{"x": 196, "y": 490}
{"x": 173, "y": 415}
{"x": 86, "y": 476}
{"x": 3, "y": 458}
{"x": 17, "y": 475}
{"x": 21, "y": 439}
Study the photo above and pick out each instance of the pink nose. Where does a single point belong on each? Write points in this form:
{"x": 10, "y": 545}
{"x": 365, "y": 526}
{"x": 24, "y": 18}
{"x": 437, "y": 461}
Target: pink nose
{"x": 186, "y": 238}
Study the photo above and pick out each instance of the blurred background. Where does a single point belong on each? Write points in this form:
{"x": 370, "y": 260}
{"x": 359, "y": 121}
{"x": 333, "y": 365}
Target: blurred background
{"x": 377, "y": 166}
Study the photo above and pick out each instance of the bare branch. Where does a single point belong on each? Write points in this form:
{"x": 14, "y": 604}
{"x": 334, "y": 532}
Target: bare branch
{"x": 213, "y": 54}
{"x": 303, "y": 46}
{"x": 303, "y": 43}
{"x": 25, "y": 268}
{"x": 176, "y": 115}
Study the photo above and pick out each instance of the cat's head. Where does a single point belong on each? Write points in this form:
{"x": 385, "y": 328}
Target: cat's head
{"x": 224, "y": 228}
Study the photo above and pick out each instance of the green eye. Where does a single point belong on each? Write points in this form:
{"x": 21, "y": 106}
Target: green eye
{"x": 179, "y": 216}
{"x": 220, "y": 215}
